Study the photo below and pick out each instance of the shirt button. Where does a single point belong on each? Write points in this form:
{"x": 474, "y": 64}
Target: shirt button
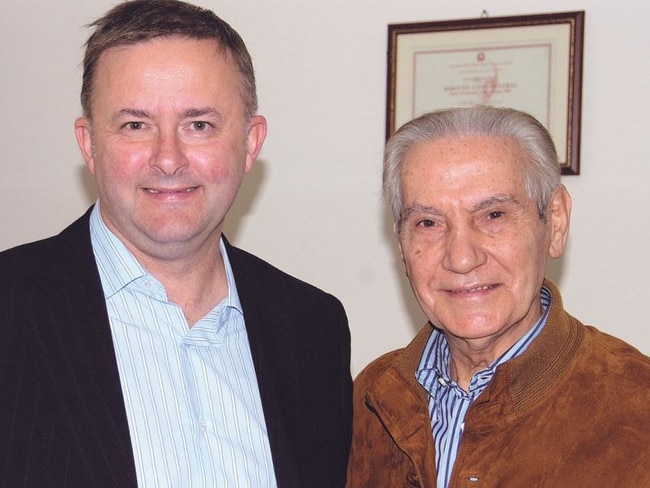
{"x": 204, "y": 423}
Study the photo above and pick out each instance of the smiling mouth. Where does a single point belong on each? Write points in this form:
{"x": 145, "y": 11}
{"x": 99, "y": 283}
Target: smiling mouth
{"x": 154, "y": 191}
{"x": 474, "y": 290}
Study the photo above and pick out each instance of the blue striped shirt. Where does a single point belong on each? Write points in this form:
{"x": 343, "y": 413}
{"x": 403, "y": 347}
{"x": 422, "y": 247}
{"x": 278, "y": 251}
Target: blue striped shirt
{"x": 191, "y": 394}
{"x": 448, "y": 403}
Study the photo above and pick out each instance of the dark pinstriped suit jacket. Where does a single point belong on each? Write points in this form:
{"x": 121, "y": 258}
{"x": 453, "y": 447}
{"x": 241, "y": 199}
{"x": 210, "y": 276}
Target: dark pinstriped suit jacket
{"x": 62, "y": 417}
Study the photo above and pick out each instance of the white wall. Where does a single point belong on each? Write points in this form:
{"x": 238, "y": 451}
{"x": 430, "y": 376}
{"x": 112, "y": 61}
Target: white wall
{"x": 312, "y": 205}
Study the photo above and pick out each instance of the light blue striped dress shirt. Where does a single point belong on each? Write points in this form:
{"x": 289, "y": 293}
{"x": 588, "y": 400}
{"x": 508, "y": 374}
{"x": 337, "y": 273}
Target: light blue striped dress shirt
{"x": 191, "y": 395}
{"x": 448, "y": 403}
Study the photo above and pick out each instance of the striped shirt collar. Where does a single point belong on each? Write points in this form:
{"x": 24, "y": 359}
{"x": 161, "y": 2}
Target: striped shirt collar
{"x": 436, "y": 355}
{"x": 118, "y": 267}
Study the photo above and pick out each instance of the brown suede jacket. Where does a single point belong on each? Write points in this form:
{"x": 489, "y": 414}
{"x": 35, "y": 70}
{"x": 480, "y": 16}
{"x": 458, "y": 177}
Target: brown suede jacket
{"x": 573, "y": 411}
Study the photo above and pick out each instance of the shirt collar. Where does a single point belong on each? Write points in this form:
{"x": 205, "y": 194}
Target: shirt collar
{"x": 118, "y": 267}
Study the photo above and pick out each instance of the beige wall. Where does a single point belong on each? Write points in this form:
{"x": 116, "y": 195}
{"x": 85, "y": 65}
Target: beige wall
{"x": 312, "y": 205}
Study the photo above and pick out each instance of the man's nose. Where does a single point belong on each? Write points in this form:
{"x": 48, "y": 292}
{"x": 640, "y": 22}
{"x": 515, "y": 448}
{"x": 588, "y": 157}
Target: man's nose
{"x": 168, "y": 155}
{"x": 464, "y": 251}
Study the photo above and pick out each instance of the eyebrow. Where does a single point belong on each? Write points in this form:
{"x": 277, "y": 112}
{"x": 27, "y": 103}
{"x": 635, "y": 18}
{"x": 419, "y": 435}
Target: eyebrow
{"x": 418, "y": 208}
{"x": 496, "y": 200}
{"x": 200, "y": 112}
{"x": 133, "y": 112}
{"x": 500, "y": 199}
{"x": 189, "y": 113}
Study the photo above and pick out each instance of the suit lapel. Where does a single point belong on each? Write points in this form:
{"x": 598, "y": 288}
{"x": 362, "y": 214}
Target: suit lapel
{"x": 263, "y": 321}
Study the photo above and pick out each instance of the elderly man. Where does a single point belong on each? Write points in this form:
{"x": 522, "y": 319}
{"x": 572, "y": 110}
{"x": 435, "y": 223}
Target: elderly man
{"x": 139, "y": 348}
{"x": 502, "y": 388}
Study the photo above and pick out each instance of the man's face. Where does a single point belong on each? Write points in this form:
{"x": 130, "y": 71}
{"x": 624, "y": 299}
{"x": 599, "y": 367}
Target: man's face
{"x": 168, "y": 143}
{"x": 473, "y": 244}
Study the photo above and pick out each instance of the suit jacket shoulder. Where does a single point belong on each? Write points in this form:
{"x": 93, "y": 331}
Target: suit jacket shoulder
{"x": 62, "y": 416}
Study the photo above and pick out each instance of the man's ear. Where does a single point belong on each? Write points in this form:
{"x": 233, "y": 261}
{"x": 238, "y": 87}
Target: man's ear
{"x": 255, "y": 139}
{"x": 399, "y": 242}
{"x": 83, "y": 133}
{"x": 559, "y": 215}
{"x": 396, "y": 230}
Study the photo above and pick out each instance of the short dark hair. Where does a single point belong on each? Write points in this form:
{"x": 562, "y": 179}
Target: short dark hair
{"x": 136, "y": 21}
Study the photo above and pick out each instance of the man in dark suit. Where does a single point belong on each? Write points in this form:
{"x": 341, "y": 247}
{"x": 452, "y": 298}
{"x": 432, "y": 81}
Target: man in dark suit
{"x": 139, "y": 348}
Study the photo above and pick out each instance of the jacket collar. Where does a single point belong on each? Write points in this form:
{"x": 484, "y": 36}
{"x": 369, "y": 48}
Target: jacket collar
{"x": 402, "y": 403}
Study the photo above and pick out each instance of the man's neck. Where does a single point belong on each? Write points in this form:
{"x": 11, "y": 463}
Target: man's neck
{"x": 469, "y": 356}
{"x": 196, "y": 282}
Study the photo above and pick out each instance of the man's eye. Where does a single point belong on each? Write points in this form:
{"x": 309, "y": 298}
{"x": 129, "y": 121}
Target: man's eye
{"x": 426, "y": 223}
{"x": 496, "y": 214}
{"x": 134, "y": 125}
{"x": 200, "y": 126}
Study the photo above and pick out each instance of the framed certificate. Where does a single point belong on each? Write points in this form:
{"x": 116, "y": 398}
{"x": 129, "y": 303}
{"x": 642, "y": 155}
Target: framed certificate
{"x": 531, "y": 63}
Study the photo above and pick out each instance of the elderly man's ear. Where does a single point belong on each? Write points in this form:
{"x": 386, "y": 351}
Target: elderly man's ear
{"x": 559, "y": 214}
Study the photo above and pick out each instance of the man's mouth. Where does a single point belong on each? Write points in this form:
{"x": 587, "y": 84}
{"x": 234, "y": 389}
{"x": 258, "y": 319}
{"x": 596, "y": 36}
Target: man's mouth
{"x": 474, "y": 290}
{"x": 156, "y": 191}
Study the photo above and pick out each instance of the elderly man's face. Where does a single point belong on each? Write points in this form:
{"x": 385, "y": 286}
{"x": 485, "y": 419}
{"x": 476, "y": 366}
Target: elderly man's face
{"x": 473, "y": 244}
